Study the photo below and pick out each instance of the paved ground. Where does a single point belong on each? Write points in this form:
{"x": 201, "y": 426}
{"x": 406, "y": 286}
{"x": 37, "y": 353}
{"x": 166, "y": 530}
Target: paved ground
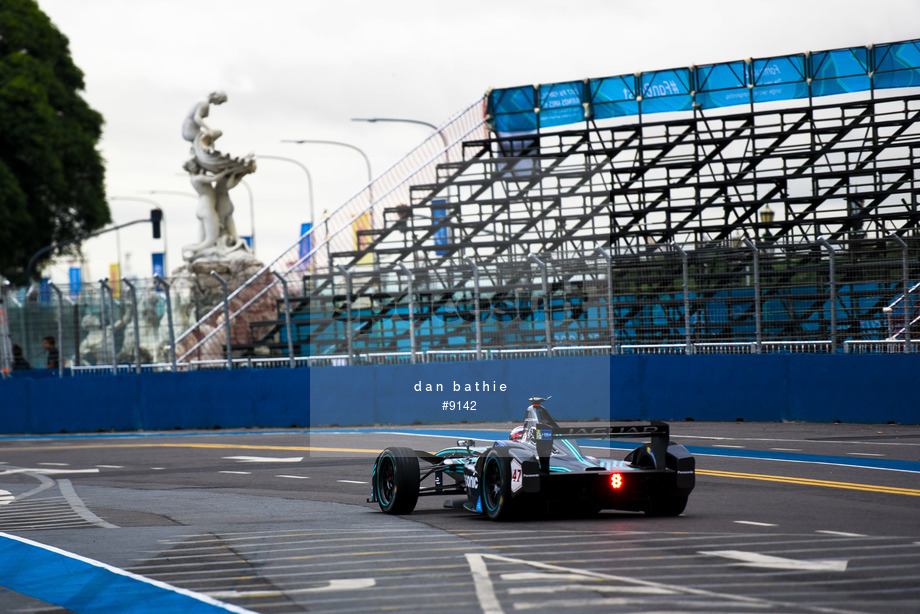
{"x": 785, "y": 518}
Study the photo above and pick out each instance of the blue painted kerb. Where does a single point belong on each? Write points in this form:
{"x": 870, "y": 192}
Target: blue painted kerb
{"x": 86, "y": 586}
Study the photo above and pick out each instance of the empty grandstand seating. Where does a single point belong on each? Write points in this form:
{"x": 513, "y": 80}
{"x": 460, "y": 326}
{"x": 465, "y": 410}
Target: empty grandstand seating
{"x": 753, "y": 225}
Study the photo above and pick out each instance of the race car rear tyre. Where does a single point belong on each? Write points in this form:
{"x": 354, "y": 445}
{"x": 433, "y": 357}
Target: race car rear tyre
{"x": 396, "y": 480}
{"x": 497, "y": 503}
{"x": 667, "y": 506}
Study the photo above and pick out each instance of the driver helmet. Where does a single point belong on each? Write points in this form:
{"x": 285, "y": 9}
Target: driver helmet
{"x": 516, "y": 433}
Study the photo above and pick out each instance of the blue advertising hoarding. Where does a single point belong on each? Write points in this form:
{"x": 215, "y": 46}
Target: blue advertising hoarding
{"x": 803, "y": 75}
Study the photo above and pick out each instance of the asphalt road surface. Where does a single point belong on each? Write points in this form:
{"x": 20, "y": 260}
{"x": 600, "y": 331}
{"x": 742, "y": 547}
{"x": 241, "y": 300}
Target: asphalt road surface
{"x": 784, "y": 518}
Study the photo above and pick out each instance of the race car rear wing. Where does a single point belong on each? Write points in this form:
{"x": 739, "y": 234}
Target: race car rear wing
{"x": 654, "y": 429}
{"x": 657, "y": 431}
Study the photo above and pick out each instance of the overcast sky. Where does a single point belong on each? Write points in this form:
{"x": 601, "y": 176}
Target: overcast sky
{"x": 303, "y": 68}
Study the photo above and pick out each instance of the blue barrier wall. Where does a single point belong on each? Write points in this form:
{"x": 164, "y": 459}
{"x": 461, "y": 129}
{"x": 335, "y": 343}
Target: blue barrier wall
{"x": 772, "y": 387}
{"x": 156, "y": 401}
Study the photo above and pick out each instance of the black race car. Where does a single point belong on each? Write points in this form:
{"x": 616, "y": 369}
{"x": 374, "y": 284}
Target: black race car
{"x": 541, "y": 467}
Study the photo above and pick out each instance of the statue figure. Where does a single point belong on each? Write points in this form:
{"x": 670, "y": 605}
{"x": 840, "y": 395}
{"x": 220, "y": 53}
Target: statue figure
{"x": 92, "y": 351}
{"x": 213, "y": 174}
{"x": 153, "y": 332}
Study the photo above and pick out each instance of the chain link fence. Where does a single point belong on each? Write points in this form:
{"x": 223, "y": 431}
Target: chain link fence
{"x": 738, "y": 298}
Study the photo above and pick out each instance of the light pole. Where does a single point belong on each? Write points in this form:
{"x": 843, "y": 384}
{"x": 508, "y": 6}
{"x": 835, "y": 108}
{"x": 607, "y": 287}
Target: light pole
{"x": 305, "y": 170}
{"x": 373, "y": 120}
{"x": 367, "y": 161}
{"x": 155, "y": 205}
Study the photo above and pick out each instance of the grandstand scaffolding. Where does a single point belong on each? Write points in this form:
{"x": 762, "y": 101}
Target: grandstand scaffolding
{"x": 767, "y": 205}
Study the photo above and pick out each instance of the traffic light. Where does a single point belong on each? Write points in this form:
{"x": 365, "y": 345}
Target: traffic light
{"x": 156, "y": 216}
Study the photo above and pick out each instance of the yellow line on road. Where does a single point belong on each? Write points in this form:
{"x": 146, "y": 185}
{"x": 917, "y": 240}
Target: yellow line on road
{"x": 891, "y": 490}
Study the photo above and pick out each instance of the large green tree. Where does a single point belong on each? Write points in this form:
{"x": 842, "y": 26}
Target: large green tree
{"x": 51, "y": 173}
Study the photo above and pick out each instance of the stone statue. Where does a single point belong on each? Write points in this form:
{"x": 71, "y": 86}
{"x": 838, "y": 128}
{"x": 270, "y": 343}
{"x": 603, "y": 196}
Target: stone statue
{"x": 153, "y": 331}
{"x": 92, "y": 350}
{"x": 213, "y": 174}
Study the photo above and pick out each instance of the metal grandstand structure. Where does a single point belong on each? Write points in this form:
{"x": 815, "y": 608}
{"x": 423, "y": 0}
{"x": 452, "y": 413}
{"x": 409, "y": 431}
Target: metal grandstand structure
{"x": 765, "y": 205}
{"x": 686, "y": 222}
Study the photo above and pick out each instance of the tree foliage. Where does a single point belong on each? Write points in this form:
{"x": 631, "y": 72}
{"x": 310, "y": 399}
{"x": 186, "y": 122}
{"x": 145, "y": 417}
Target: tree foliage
{"x": 51, "y": 174}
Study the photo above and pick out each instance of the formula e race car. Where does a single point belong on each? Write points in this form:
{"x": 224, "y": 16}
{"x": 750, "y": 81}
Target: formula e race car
{"x": 541, "y": 467}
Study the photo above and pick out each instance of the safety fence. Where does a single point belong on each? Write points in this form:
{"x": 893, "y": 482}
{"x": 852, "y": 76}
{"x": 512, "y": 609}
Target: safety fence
{"x": 740, "y": 298}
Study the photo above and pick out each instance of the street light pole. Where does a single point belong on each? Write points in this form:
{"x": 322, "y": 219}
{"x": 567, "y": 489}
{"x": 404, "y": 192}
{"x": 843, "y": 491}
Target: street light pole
{"x": 367, "y": 161}
{"x": 373, "y": 120}
{"x": 305, "y": 170}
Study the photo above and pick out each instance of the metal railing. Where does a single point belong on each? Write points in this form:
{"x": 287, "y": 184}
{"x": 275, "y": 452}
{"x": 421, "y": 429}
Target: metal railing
{"x": 745, "y": 299}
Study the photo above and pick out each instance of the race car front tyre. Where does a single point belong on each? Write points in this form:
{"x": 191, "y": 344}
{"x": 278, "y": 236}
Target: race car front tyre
{"x": 497, "y": 503}
{"x": 396, "y": 480}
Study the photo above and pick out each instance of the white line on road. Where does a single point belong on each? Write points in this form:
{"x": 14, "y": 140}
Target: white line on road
{"x": 47, "y": 471}
{"x": 765, "y": 561}
{"x": 755, "y": 524}
{"x": 77, "y": 505}
{"x": 351, "y": 482}
{"x": 237, "y": 472}
{"x": 523, "y": 576}
{"x": 841, "y": 534}
{"x": 334, "y": 585}
{"x": 485, "y": 591}
{"x": 264, "y": 459}
{"x": 593, "y": 588}
{"x": 294, "y": 477}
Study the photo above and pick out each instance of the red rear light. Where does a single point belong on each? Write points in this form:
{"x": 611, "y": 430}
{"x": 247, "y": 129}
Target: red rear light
{"x": 616, "y": 481}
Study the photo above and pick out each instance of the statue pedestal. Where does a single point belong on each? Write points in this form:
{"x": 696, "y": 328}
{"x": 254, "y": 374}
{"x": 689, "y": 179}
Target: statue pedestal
{"x": 196, "y": 291}
{"x": 204, "y": 290}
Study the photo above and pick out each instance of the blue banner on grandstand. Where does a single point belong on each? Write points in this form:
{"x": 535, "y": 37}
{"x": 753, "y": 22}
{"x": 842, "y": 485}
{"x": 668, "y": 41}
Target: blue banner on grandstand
{"x": 840, "y": 71}
{"x": 781, "y": 78}
{"x": 562, "y": 103}
{"x": 514, "y": 109}
{"x": 897, "y": 65}
{"x": 823, "y": 73}
{"x": 665, "y": 90}
{"x": 722, "y": 85}
{"x": 613, "y": 96}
